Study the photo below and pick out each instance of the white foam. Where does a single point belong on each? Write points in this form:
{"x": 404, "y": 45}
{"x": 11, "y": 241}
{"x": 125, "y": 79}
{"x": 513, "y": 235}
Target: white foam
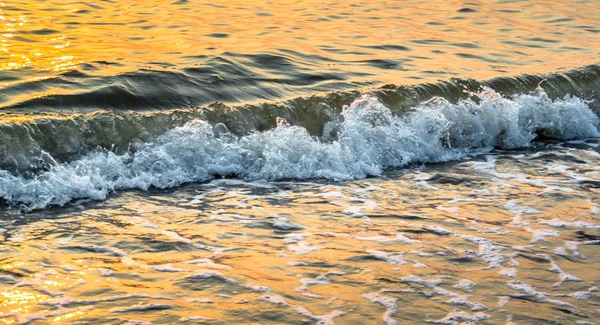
{"x": 63, "y": 241}
{"x": 421, "y": 254}
{"x": 320, "y": 279}
{"x": 388, "y": 302}
{"x": 368, "y": 138}
{"x": 312, "y": 295}
{"x": 400, "y": 238}
{"x": 460, "y": 300}
{"x": 541, "y": 234}
{"x": 175, "y": 236}
{"x": 283, "y": 223}
{"x": 440, "y": 231}
{"x": 223, "y": 219}
{"x": 528, "y": 290}
{"x": 321, "y": 319}
{"x": 215, "y": 250}
{"x": 356, "y": 210}
{"x": 205, "y": 262}
{"x": 488, "y": 251}
{"x": 564, "y": 276}
{"x": 561, "y": 251}
{"x": 508, "y": 272}
{"x": 390, "y": 257}
{"x": 461, "y": 317}
{"x": 453, "y": 210}
{"x": 422, "y": 180}
{"x": 465, "y": 284}
{"x": 257, "y": 288}
{"x": 574, "y": 246}
{"x": 418, "y": 280}
{"x": 557, "y": 168}
{"x": 518, "y": 212}
{"x": 274, "y": 299}
{"x": 136, "y": 322}
{"x": 168, "y": 268}
{"x": 303, "y": 248}
{"x": 594, "y": 208}
{"x": 143, "y": 222}
{"x": 579, "y": 295}
{"x": 333, "y": 194}
{"x": 294, "y": 263}
{"x": 293, "y": 238}
{"x": 559, "y": 223}
{"x": 503, "y": 300}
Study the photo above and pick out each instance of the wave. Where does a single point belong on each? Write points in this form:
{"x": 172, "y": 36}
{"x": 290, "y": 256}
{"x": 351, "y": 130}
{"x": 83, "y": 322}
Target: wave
{"x": 31, "y": 142}
{"x": 362, "y": 139}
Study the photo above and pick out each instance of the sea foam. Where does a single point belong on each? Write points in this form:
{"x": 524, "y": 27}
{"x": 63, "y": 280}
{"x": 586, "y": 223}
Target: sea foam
{"x": 365, "y": 140}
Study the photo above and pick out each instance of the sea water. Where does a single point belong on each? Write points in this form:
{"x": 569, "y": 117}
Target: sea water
{"x": 299, "y": 162}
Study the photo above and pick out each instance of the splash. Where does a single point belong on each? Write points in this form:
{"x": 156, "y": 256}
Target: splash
{"x": 366, "y": 139}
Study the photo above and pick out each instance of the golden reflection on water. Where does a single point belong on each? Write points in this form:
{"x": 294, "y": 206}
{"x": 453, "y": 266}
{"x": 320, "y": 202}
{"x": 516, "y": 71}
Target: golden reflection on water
{"x": 432, "y": 37}
{"x": 116, "y": 258}
{"x": 150, "y": 243}
{"x": 156, "y": 232}
{"x": 19, "y": 301}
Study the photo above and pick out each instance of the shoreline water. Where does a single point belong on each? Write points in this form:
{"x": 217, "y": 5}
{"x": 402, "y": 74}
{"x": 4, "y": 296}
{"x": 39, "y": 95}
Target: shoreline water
{"x": 480, "y": 240}
{"x": 303, "y": 162}
{"x": 365, "y": 139}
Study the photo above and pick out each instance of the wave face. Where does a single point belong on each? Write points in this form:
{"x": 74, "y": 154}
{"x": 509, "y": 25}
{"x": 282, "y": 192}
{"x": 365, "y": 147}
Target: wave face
{"x": 363, "y": 140}
{"x": 63, "y": 135}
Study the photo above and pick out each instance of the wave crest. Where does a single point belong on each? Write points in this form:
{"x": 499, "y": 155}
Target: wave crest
{"x": 364, "y": 140}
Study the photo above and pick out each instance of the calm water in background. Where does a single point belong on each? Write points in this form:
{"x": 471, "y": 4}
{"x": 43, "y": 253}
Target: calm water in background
{"x": 155, "y": 55}
{"x": 299, "y": 162}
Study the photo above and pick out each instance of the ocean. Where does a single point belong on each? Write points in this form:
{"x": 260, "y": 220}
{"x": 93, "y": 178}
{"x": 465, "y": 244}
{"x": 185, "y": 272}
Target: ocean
{"x": 299, "y": 162}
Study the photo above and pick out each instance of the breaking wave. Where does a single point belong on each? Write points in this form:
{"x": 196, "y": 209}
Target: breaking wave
{"x": 363, "y": 139}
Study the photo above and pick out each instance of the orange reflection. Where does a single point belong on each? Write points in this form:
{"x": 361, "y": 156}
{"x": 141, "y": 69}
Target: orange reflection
{"x": 18, "y": 301}
{"x": 433, "y": 36}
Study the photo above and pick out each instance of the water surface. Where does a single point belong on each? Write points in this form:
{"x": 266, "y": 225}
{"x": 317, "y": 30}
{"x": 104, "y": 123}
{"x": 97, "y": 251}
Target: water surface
{"x": 136, "y": 55}
{"x": 299, "y": 162}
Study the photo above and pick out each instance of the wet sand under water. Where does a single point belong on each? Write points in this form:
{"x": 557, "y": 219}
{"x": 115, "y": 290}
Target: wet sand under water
{"x": 507, "y": 236}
